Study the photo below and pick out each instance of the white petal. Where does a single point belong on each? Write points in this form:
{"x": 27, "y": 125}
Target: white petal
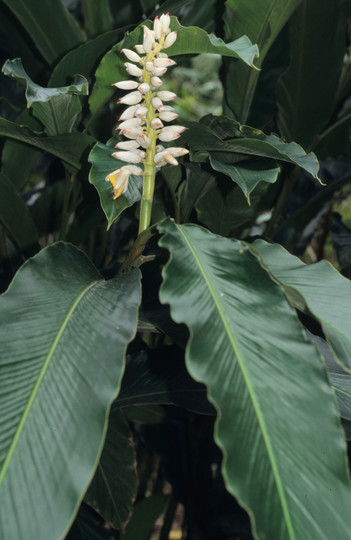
{"x": 131, "y": 122}
{"x": 139, "y": 49}
{"x": 165, "y": 23}
{"x": 163, "y": 62}
{"x": 165, "y": 95}
{"x": 127, "y": 145}
{"x": 159, "y": 71}
{"x": 131, "y": 55}
{"x": 168, "y": 136}
{"x": 131, "y": 99}
{"x": 167, "y": 116}
{"x": 133, "y": 70}
{"x": 132, "y": 133}
{"x": 157, "y": 28}
{"x": 129, "y": 156}
{"x": 144, "y": 140}
{"x": 170, "y": 39}
{"x": 126, "y": 85}
{"x": 157, "y": 103}
{"x": 129, "y": 112}
{"x": 156, "y": 123}
{"x": 156, "y": 81}
{"x": 141, "y": 112}
{"x": 133, "y": 169}
{"x": 144, "y": 88}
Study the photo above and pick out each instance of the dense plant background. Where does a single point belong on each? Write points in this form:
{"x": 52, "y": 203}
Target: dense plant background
{"x": 193, "y": 382}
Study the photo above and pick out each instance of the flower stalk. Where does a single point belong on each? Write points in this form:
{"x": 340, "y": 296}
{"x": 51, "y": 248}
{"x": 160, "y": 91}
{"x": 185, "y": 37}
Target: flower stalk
{"x": 142, "y": 123}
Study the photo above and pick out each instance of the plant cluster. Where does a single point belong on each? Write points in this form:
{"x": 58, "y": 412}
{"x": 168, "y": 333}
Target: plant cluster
{"x": 175, "y": 321}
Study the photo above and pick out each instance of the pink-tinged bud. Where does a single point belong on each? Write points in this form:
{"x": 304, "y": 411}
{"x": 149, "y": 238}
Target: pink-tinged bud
{"x": 139, "y": 49}
{"x": 132, "y": 133}
{"x": 174, "y": 129}
{"x": 131, "y": 122}
{"x": 166, "y": 96}
{"x": 168, "y": 136}
{"x": 136, "y": 171}
{"x": 144, "y": 88}
{"x": 133, "y": 70}
{"x": 131, "y": 99}
{"x": 156, "y": 81}
{"x": 165, "y": 21}
{"x": 167, "y": 116}
{"x": 156, "y": 103}
{"x": 170, "y": 39}
{"x": 127, "y": 145}
{"x": 156, "y": 123}
{"x": 162, "y": 55}
{"x": 162, "y": 62}
{"x": 126, "y": 85}
{"x": 129, "y": 112}
{"x": 131, "y": 55}
{"x": 129, "y": 156}
{"x": 148, "y": 40}
{"x": 159, "y": 71}
{"x": 177, "y": 151}
{"x": 150, "y": 66}
{"x": 141, "y": 112}
{"x": 157, "y": 28}
{"x": 144, "y": 141}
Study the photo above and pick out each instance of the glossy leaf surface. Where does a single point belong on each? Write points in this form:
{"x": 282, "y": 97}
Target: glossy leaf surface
{"x": 64, "y": 332}
{"x": 268, "y": 384}
{"x": 102, "y": 164}
{"x": 317, "y": 288}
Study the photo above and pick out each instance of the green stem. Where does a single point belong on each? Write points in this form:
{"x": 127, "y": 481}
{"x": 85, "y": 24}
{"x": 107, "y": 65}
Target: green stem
{"x": 148, "y": 189}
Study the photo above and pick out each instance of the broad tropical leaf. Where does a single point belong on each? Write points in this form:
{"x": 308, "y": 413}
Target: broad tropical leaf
{"x": 69, "y": 147}
{"x": 50, "y": 25}
{"x": 305, "y": 95}
{"x": 102, "y": 164}
{"x": 316, "y": 288}
{"x": 114, "y": 485}
{"x": 64, "y": 332}
{"x": 261, "y": 22}
{"x": 97, "y": 16}
{"x": 190, "y": 40}
{"x": 268, "y": 384}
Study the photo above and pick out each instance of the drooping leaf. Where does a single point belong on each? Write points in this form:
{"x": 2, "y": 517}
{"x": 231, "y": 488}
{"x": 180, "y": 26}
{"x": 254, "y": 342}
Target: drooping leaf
{"x": 15, "y": 216}
{"x": 317, "y": 46}
{"x": 102, "y": 164}
{"x": 113, "y": 487}
{"x": 56, "y": 108}
{"x": 69, "y": 147}
{"x": 160, "y": 377}
{"x": 253, "y": 142}
{"x": 261, "y": 22}
{"x": 64, "y": 332}
{"x": 317, "y": 288}
{"x": 190, "y": 40}
{"x": 50, "y": 25}
{"x": 272, "y": 394}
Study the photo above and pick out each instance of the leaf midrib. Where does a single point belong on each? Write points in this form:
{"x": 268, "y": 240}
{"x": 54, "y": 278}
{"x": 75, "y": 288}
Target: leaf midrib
{"x": 33, "y": 395}
{"x": 251, "y": 391}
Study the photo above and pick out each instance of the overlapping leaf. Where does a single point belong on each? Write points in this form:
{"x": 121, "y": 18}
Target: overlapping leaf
{"x": 267, "y": 383}
{"x": 64, "y": 332}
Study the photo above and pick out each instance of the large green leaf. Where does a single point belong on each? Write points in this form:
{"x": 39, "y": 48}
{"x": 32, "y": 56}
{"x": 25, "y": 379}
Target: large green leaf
{"x": 253, "y": 142}
{"x": 97, "y": 16}
{"x": 306, "y": 91}
{"x": 316, "y": 288}
{"x": 16, "y": 217}
{"x": 102, "y": 164}
{"x": 56, "y": 108}
{"x": 51, "y": 27}
{"x": 190, "y": 40}
{"x": 70, "y": 147}
{"x": 113, "y": 487}
{"x": 277, "y": 426}
{"x": 197, "y": 184}
{"x": 144, "y": 516}
{"x": 261, "y": 22}
{"x": 64, "y": 332}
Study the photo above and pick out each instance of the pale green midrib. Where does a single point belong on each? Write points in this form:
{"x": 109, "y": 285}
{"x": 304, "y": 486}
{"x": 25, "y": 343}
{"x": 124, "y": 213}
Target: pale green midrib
{"x": 36, "y": 387}
{"x": 249, "y": 387}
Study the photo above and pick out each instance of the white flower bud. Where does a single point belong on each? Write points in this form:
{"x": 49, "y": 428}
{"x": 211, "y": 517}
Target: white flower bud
{"x": 168, "y": 136}
{"x": 166, "y": 96}
{"x": 129, "y": 112}
{"x": 159, "y": 71}
{"x": 150, "y": 66}
{"x": 156, "y": 103}
{"x": 129, "y": 156}
{"x": 141, "y": 112}
{"x": 163, "y": 62}
{"x": 133, "y": 70}
{"x": 139, "y": 49}
{"x": 132, "y": 98}
{"x": 167, "y": 116}
{"x": 131, "y": 122}
{"x": 165, "y": 21}
{"x": 132, "y": 133}
{"x": 162, "y": 55}
{"x": 174, "y": 129}
{"x": 156, "y": 81}
{"x": 144, "y": 140}
{"x": 127, "y": 145}
{"x": 177, "y": 151}
{"x": 126, "y": 85}
{"x": 131, "y": 55}
{"x": 156, "y": 123}
{"x": 136, "y": 171}
{"x": 148, "y": 40}
{"x": 169, "y": 154}
{"x": 170, "y": 39}
{"x": 157, "y": 28}
{"x": 144, "y": 88}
